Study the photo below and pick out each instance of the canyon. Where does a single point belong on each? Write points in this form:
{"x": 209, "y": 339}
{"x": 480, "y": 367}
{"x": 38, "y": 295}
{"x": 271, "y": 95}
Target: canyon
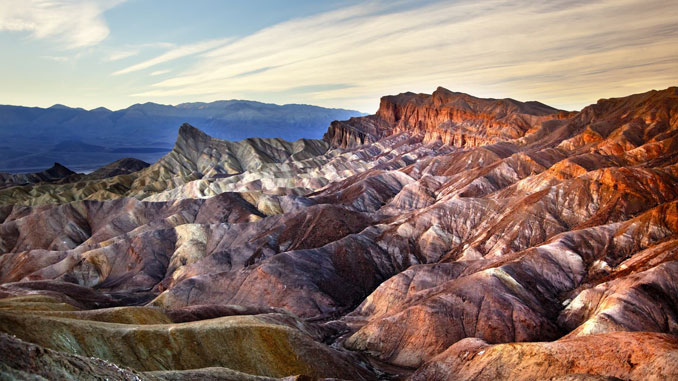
{"x": 444, "y": 237}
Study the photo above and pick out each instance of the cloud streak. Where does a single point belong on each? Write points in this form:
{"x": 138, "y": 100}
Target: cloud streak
{"x": 74, "y": 23}
{"x": 161, "y": 72}
{"x": 563, "y": 52}
{"x": 173, "y": 54}
{"x": 122, "y": 54}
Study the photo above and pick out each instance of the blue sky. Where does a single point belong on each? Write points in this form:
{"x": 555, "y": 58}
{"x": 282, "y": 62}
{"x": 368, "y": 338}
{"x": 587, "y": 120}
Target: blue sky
{"x": 341, "y": 53}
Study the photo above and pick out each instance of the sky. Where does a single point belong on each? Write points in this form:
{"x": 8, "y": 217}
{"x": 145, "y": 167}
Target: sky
{"x": 332, "y": 53}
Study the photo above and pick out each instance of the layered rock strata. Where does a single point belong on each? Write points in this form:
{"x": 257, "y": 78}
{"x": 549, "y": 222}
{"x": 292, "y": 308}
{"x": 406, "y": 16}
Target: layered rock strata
{"x": 446, "y": 234}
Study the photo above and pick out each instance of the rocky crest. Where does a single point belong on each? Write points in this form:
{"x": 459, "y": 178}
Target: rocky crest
{"x": 456, "y": 119}
{"x": 119, "y": 167}
{"x": 195, "y": 156}
{"x": 528, "y": 243}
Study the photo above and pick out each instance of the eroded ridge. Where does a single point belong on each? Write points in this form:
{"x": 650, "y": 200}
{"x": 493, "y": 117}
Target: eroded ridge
{"x": 446, "y": 234}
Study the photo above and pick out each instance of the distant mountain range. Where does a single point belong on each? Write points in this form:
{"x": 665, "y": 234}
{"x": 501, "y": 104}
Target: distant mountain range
{"x": 33, "y": 138}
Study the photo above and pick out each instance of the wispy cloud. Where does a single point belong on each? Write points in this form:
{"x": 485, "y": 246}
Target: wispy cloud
{"x": 563, "y": 52}
{"x": 122, "y": 54}
{"x": 75, "y": 23}
{"x": 161, "y": 72}
{"x": 131, "y": 50}
{"x": 173, "y": 54}
{"x": 57, "y": 58}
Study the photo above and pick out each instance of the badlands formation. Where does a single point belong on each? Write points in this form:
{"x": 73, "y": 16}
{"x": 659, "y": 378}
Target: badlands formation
{"x": 444, "y": 237}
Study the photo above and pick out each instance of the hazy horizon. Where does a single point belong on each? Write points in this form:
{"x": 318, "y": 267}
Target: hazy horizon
{"x": 173, "y": 104}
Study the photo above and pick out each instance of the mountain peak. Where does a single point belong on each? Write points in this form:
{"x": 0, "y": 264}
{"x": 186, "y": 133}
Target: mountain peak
{"x": 58, "y": 106}
{"x": 58, "y": 165}
{"x": 188, "y": 132}
{"x": 58, "y": 170}
{"x": 441, "y": 91}
{"x": 122, "y": 166}
{"x": 191, "y": 141}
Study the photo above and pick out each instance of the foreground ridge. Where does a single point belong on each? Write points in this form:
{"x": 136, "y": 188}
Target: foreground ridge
{"x": 446, "y": 234}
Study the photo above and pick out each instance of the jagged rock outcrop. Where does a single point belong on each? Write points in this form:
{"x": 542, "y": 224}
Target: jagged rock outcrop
{"x": 456, "y": 119}
{"x": 487, "y": 238}
{"x": 194, "y": 156}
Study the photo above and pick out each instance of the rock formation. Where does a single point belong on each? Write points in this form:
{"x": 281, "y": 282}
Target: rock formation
{"x": 57, "y": 173}
{"x": 119, "y": 167}
{"x": 456, "y": 119}
{"x": 444, "y": 235}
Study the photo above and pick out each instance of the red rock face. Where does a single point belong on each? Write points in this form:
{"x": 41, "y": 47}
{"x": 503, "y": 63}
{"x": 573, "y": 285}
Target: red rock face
{"x": 456, "y": 119}
{"x": 489, "y": 239}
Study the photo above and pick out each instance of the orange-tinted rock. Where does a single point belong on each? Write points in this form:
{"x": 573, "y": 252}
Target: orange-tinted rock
{"x": 455, "y": 119}
{"x": 623, "y": 355}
